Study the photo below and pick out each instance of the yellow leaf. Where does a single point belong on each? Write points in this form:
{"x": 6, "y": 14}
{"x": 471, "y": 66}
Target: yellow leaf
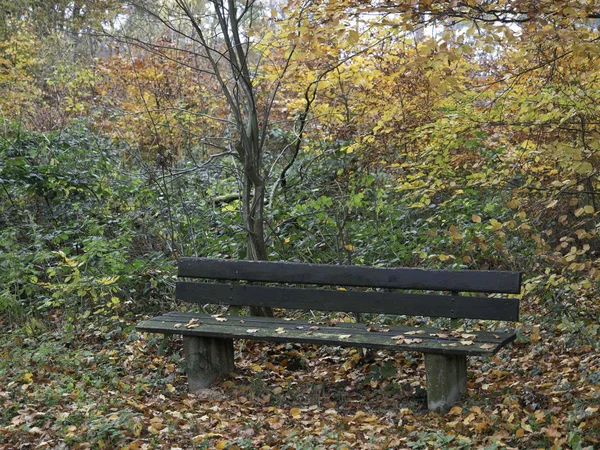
{"x": 349, "y": 247}
{"x": 28, "y": 378}
{"x": 495, "y": 224}
{"x": 221, "y": 445}
{"x": 295, "y": 413}
{"x": 170, "y": 387}
{"x": 353, "y": 37}
{"x": 476, "y": 219}
{"x": 520, "y": 433}
{"x": 589, "y": 209}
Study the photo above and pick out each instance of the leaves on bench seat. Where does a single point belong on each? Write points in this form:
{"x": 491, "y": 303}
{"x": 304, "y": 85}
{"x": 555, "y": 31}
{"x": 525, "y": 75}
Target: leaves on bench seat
{"x": 426, "y": 340}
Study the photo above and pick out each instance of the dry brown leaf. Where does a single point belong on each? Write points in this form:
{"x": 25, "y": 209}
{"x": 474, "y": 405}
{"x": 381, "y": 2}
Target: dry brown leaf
{"x": 487, "y": 346}
{"x": 440, "y": 335}
{"x": 193, "y": 323}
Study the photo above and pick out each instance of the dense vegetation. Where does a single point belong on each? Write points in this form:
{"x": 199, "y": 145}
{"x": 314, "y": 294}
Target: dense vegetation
{"x": 432, "y": 134}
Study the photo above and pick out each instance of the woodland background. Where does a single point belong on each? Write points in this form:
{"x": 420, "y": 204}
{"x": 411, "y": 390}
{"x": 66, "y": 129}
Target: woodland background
{"x": 450, "y": 134}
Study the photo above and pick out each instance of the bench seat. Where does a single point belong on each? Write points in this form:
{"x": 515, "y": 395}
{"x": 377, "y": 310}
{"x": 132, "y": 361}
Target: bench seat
{"x": 418, "y": 339}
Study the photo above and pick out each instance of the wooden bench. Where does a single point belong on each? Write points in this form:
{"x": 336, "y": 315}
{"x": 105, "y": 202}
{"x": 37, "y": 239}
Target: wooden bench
{"x": 208, "y": 339}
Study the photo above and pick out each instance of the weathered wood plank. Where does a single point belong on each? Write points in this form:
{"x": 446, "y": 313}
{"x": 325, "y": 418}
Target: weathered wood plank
{"x": 482, "y": 337}
{"x": 282, "y": 332}
{"x": 351, "y": 301}
{"x": 325, "y": 274}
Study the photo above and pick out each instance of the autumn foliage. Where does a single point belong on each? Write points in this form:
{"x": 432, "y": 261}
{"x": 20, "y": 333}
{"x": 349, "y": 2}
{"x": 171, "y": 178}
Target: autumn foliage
{"x": 447, "y": 134}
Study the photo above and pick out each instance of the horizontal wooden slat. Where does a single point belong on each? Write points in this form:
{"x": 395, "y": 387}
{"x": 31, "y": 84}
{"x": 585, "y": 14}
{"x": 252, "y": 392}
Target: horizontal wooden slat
{"x": 326, "y": 274}
{"x": 454, "y": 306}
{"x": 342, "y": 327}
{"x": 346, "y": 335}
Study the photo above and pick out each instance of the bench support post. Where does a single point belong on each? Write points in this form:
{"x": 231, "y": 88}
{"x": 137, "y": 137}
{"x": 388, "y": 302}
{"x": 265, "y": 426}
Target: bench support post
{"x": 446, "y": 377}
{"x": 206, "y": 359}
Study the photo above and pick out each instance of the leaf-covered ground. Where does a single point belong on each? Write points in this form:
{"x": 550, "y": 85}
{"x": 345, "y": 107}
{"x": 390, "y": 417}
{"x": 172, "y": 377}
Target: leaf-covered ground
{"x": 105, "y": 390}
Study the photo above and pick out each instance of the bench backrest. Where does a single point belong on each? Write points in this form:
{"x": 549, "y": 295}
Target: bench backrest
{"x": 387, "y": 302}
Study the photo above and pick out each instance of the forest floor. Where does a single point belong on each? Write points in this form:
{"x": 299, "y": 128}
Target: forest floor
{"x": 93, "y": 389}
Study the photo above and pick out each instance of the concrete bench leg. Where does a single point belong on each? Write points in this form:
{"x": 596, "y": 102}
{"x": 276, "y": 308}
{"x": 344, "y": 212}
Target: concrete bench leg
{"x": 446, "y": 380}
{"x": 206, "y": 359}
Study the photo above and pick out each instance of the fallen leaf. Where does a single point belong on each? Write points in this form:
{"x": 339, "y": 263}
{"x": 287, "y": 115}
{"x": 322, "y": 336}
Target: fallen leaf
{"x": 398, "y": 337}
{"x": 468, "y": 336}
{"x": 344, "y": 336}
{"x": 412, "y": 341}
{"x": 193, "y": 323}
{"x": 466, "y": 342}
{"x": 177, "y": 325}
{"x": 28, "y": 378}
{"x": 251, "y": 330}
{"x": 295, "y": 412}
{"x": 221, "y": 445}
{"x": 487, "y": 346}
{"x": 415, "y": 332}
{"x": 221, "y": 319}
{"x": 280, "y": 330}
